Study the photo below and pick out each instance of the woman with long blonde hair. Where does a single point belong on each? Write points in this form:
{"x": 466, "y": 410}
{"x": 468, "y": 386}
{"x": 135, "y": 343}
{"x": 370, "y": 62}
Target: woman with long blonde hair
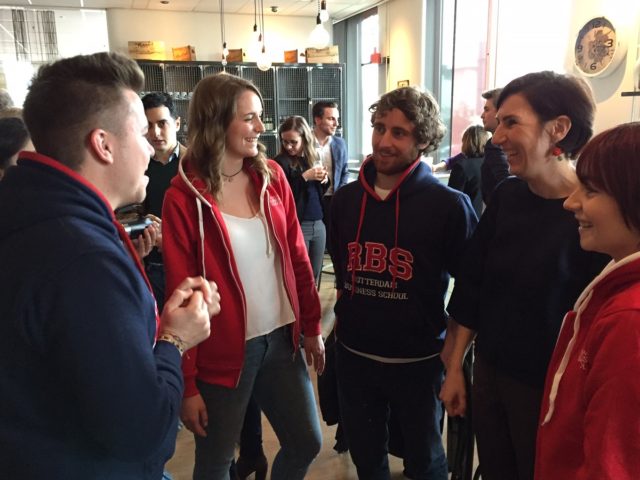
{"x": 229, "y": 216}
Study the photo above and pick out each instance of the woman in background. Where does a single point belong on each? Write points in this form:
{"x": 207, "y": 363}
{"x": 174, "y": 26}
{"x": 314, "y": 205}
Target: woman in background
{"x": 308, "y": 180}
{"x": 522, "y": 271}
{"x": 465, "y": 174}
{"x": 590, "y": 427}
{"x": 229, "y": 215}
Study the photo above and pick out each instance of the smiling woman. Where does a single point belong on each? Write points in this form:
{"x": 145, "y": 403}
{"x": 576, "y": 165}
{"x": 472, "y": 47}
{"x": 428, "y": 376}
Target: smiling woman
{"x": 589, "y": 418}
{"x": 229, "y": 215}
{"x": 522, "y": 271}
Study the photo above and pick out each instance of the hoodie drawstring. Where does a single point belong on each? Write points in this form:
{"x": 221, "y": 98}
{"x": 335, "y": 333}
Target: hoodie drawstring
{"x": 363, "y": 206}
{"x": 263, "y": 195}
{"x": 395, "y": 240}
{"x": 201, "y": 231}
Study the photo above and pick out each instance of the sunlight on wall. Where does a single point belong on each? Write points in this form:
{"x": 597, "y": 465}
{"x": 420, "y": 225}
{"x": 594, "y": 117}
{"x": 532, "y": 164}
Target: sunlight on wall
{"x": 532, "y": 36}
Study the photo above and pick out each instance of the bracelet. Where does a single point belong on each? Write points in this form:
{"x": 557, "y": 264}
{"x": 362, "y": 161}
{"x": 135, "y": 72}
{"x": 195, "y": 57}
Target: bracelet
{"x": 174, "y": 340}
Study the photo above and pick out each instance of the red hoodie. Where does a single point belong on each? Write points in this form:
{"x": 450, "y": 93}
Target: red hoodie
{"x": 192, "y": 247}
{"x": 590, "y": 420}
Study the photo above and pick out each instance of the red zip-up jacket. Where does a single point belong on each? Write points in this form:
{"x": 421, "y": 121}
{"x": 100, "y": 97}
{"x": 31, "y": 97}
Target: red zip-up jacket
{"x": 589, "y": 422}
{"x": 192, "y": 247}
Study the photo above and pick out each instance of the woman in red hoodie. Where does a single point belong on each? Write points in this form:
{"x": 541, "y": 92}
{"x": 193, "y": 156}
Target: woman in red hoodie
{"x": 590, "y": 425}
{"x": 229, "y": 215}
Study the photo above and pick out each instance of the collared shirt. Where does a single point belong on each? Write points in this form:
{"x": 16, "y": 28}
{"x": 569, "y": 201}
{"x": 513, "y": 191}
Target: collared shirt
{"x": 174, "y": 155}
{"x": 324, "y": 151}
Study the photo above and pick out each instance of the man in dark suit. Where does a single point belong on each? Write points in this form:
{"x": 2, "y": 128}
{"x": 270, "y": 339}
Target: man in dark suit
{"x": 494, "y": 167}
{"x": 332, "y": 151}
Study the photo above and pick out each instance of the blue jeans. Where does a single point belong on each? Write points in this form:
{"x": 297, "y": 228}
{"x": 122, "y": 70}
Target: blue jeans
{"x": 315, "y": 237}
{"x": 368, "y": 391}
{"x": 281, "y": 385}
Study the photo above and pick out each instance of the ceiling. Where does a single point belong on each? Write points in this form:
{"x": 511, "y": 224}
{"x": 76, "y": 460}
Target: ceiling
{"x": 305, "y": 8}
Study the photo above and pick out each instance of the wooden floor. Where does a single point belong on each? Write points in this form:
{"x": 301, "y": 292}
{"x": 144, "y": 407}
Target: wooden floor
{"x": 329, "y": 465}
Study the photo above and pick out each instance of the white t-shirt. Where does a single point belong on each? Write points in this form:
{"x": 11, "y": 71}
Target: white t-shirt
{"x": 268, "y": 307}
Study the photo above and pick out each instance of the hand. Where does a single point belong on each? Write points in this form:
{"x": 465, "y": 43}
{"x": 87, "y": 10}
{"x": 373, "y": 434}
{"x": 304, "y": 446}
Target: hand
{"x": 318, "y": 173}
{"x": 314, "y": 352}
{"x": 194, "y": 415}
{"x": 147, "y": 240}
{"x": 454, "y": 393}
{"x": 188, "y": 310}
{"x": 157, "y": 221}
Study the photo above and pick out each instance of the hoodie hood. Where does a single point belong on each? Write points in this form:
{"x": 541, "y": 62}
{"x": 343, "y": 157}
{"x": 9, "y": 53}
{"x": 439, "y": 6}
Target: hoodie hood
{"x": 614, "y": 276}
{"x": 188, "y": 182}
{"x": 29, "y": 199}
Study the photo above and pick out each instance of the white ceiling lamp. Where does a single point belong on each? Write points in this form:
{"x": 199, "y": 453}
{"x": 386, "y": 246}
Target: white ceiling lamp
{"x": 324, "y": 14}
{"x": 264, "y": 62}
{"x": 319, "y": 37}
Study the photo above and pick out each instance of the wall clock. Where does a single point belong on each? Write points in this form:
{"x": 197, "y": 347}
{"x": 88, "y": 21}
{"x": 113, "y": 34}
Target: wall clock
{"x": 599, "y": 48}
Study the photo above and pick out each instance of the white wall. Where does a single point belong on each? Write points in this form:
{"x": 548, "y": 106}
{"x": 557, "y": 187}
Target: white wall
{"x": 613, "y": 109}
{"x": 402, "y": 40}
{"x": 202, "y": 30}
{"x": 524, "y": 45}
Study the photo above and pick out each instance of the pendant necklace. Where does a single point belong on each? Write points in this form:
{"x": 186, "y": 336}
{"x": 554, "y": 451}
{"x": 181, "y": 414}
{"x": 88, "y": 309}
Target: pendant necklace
{"x": 229, "y": 178}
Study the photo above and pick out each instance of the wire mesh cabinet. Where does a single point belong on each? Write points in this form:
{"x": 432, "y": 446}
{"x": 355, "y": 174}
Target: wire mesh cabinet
{"x": 287, "y": 89}
{"x": 300, "y": 87}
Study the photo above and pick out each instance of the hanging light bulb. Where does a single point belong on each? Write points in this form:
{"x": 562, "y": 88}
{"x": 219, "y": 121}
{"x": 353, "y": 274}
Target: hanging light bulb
{"x": 324, "y": 14}
{"x": 225, "y": 50}
{"x": 319, "y": 37}
{"x": 264, "y": 62}
{"x": 256, "y": 37}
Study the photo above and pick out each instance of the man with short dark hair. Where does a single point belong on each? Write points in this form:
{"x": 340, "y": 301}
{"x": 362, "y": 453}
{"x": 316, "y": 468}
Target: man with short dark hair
{"x": 164, "y": 124}
{"x": 495, "y": 167}
{"x": 90, "y": 374}
{"x": 332, "y": 151}
{"x": 398, "y": 234}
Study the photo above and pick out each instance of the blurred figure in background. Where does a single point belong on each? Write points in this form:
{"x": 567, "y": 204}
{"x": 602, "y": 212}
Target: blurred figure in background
{"x": 14, "y": 138}
{"x": 465, "y": 174}
{"x": 494, "y": 167}
{"x": 308, "y": 179}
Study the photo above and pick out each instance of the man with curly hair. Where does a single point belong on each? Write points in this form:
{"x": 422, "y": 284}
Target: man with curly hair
{"x": 397, "y": 236}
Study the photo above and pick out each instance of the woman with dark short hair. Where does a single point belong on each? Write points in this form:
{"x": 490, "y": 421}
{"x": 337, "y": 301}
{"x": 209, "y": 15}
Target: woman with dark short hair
{"x": 522, "y": 271}
{"x": 590, "y": 424}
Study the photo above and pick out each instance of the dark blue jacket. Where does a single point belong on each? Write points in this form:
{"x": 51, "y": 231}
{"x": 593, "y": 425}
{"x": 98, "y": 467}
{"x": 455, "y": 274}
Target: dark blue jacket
{"x": 392, "y": 260}
{"x": 85, "y": 395}
{"x": 340, "y": 162}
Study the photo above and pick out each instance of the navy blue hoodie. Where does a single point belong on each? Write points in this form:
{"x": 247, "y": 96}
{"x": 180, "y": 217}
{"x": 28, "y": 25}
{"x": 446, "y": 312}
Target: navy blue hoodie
{"x": 403, "y": 248}
{"x": 84, "y": 393}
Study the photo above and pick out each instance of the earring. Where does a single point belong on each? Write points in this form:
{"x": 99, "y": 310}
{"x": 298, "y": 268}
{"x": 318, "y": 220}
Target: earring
{"x": 557, "y": 152}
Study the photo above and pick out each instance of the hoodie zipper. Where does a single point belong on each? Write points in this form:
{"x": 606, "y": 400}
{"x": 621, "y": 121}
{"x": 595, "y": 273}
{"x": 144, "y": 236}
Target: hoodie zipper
{"x": 284, "y": 271}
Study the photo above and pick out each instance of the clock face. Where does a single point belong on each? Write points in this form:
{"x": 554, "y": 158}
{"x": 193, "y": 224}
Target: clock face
{"x": 596, "y": 46}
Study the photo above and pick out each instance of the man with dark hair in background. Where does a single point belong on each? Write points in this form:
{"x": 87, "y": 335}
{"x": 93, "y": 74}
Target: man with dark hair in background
{"x": 332, "y": 151}
{"x": 164, "y": 124}
{"x": 397, "y": 235}
{"x": 90, "y": 374}
{"x": 494, "y": 166}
